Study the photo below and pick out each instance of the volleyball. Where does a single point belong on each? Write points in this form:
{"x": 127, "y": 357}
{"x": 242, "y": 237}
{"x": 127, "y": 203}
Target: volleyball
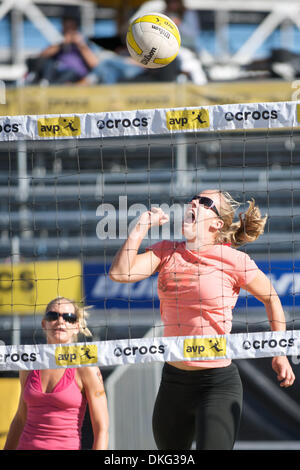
{"x": 153, "y": 40}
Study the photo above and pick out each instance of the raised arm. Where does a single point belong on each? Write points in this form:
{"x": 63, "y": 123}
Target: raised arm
{"x": 128, "y": 265}
{"x": 264, "y": 291}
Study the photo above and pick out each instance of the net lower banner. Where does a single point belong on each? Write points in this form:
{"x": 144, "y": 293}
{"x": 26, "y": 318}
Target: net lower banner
{"x": 145, "y": 350}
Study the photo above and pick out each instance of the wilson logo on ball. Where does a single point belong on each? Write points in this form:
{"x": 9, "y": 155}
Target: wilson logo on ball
{"x": 153, "y": 40}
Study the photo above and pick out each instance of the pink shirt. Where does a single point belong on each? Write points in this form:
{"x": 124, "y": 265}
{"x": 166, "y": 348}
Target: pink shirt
{"x": 54, "y": 420}
{"x": 198, "y": 290}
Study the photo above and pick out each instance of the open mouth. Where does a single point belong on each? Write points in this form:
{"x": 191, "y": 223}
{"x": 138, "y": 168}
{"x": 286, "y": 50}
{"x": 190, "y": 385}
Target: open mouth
{"x": 190, "y": 217}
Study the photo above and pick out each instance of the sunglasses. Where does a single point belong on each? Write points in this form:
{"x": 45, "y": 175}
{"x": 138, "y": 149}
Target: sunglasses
{"x": 207, "y": 203}
{"x": 68, "y": 317}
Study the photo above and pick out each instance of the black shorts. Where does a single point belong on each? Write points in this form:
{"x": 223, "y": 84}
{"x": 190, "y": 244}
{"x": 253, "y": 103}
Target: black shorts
{"x": 202, "y": 406}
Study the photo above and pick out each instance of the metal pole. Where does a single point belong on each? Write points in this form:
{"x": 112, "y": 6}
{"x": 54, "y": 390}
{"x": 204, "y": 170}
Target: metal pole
{"x": 23, "y": 186}
{"x": 16, "y": 321}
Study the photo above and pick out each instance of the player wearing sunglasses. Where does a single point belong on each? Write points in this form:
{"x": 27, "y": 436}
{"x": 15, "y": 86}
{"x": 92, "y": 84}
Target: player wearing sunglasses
{"x": 198, "y": 285}
{"x": 53, "y": 402}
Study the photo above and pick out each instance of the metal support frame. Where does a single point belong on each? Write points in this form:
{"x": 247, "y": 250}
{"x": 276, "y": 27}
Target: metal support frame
{"x": 278, "y": 13}
{"x": 34, "y": 14}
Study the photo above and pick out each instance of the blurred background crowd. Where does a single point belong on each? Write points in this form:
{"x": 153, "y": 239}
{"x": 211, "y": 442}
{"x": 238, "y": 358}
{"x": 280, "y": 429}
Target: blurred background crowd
{"x": 83, "y": 42}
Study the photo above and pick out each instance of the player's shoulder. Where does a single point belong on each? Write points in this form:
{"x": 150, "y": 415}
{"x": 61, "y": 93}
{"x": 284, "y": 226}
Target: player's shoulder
{"x": 23, "y": 374}
{"x": 165, "y": 247}
{"x": 88, "y": 372}
{"x": 235, "y": 251}
{"x": 232, "y": 254}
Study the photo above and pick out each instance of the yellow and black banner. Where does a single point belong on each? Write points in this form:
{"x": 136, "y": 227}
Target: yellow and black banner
{"x": 27, "y": 288}
{"x": 125, "y": 97}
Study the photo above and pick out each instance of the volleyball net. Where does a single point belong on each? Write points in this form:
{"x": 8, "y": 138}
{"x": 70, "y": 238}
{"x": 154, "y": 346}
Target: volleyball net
{"x": 72, "y": 187}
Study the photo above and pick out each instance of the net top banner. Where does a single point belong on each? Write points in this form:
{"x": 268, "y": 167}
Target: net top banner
{"x": 231, "y": 117}
{"x": 154, "y": 349}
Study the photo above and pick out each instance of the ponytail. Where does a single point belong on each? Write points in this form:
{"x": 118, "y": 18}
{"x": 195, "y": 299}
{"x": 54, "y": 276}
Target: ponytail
{"x": 249, "y": 227}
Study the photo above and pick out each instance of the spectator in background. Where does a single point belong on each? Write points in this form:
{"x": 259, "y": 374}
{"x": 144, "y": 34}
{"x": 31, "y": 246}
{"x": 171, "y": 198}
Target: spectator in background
{"x": 186, "y": 21}
{"x": 114, "y": 67}
{"x": 68, "y": 62}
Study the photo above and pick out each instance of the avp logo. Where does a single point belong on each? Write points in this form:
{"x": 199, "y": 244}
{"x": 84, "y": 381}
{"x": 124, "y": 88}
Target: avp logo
{"x": 76, "y": 355}
{"x": 187, "y": 119}
{"x": 59, "y": 126}
{"x": 204, "y": 347}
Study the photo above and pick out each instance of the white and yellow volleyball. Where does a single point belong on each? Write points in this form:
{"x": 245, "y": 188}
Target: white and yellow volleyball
{"x": 153, "y": 40}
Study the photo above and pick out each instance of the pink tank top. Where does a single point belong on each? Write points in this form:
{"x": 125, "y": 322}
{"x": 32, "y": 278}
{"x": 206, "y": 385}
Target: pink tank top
{"x": 54, "y": 420}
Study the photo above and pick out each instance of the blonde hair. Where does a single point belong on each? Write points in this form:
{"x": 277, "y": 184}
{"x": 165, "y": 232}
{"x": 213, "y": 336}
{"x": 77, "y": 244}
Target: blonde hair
{"x": 80, "y": 312}
{"x": 250, "y": 226}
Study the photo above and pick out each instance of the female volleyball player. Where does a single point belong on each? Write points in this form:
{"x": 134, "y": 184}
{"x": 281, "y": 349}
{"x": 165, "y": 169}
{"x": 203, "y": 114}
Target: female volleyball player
{"x": 53, "y": 402}
{"x": 198, "y": 286}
